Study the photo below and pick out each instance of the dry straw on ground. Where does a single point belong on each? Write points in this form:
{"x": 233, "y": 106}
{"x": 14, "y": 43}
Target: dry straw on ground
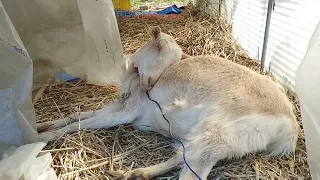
{"x": 89, "y": 154}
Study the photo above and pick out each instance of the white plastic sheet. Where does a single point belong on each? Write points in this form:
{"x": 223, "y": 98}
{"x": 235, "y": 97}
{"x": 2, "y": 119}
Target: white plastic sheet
{"x": 80, "y": 38}
{"x": 17, "y": 117}
{"x": 22, "y": 163}
{"x": 308, "y": 90}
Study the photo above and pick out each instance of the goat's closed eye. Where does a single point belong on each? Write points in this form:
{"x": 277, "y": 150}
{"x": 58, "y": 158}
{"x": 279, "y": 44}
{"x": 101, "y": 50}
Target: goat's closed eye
{"x": 149, "y": 81}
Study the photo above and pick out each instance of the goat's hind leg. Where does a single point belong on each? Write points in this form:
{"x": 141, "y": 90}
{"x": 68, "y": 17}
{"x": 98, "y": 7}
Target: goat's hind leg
{"x": 218, "y": 138}
{"x": 201, "y": 155}
{"x": 204, "y": 147}
{"x": 208, "y": 142}
{"x": 151, "y": 171}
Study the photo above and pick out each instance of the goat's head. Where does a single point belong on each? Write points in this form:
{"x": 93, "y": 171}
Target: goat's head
{"x": 154, "y": 57}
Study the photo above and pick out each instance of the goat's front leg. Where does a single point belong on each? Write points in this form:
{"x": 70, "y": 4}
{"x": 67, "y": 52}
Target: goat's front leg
{"x": 45, "y": 126}
{"x": 102, "y": 119}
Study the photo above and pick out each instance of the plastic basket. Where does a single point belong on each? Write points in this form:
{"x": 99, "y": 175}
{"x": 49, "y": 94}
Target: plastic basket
{"x": 121, "y": 5}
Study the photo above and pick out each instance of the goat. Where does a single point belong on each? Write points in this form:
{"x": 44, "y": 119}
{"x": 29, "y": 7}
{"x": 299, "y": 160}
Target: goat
{"x": 219, "y": 108}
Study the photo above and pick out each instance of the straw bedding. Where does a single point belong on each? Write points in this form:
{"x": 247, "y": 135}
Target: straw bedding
{"x": 89, "y": 154}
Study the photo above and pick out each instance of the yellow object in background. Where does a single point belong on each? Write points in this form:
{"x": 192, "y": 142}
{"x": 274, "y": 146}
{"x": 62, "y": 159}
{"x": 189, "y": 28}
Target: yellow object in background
{"x": 121, "y": 5}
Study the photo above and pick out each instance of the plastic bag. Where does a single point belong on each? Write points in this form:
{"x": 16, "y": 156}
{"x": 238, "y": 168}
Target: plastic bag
{"x": 308, "y": 88}
{"x": 23, "y": 163}
{"x": 17, "y": 116}
{"x": 80, "y": 38}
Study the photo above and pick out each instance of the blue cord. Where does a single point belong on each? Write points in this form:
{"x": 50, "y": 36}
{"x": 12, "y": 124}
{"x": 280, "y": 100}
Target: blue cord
{"x": 184, "y": 149}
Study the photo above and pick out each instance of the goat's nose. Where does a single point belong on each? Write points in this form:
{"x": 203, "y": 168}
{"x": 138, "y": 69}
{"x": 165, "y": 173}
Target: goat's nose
{"x": 146, "y": 82}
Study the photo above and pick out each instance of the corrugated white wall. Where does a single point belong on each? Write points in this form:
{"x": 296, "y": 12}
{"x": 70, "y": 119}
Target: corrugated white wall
{"x": 292, "y": 25}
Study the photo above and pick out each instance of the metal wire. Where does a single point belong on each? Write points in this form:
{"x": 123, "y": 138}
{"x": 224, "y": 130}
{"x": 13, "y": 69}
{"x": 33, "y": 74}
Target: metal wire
{"x": 184, "y": 149}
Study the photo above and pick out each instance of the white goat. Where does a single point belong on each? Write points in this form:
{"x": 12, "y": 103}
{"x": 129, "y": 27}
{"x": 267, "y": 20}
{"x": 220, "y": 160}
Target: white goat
{"x": 220, "y": 109}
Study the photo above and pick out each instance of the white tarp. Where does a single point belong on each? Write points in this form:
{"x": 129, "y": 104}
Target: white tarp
{"x": 308, "y": 88}
{"x": 17, "y": 117}
{"x": 22, "y": 163}
{"x": 38, "y": 39}
{"x": 78, "y": 37}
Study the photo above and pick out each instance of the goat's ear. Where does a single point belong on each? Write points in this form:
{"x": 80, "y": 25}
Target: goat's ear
{"x": 185, "y": 56}
{"x": 162, "y": 43}
{"x": 156, "y": 31}
{"x": 127, "y": 62}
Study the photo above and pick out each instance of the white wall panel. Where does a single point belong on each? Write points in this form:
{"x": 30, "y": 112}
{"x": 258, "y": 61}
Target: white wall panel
{"x": 292, "y": 25}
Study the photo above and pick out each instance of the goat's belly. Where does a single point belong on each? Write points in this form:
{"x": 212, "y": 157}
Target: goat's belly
{"x": 181, "y": 120}
{"x": 181, "y": 110}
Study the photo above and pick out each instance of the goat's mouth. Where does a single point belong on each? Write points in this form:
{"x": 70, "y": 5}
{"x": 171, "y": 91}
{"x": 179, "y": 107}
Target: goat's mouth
{"x": 136, "y": 69}
{"x": 144, "y": 83}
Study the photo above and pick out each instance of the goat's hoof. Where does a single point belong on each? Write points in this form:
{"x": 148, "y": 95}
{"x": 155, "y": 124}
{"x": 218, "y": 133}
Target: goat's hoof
{"x": 137, "y": 175}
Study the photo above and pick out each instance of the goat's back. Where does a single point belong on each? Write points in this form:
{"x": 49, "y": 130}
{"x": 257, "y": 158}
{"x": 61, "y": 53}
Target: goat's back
{"x": 234, "y": 88}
